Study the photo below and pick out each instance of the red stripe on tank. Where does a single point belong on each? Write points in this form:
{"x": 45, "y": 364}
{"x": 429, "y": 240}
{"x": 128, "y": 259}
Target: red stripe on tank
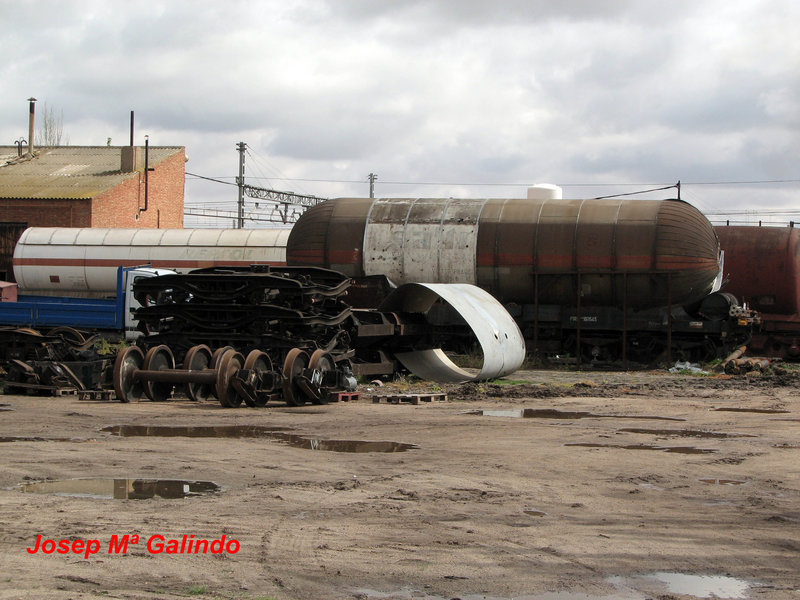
{"x": 565, "y": 261}
{"x": 317, "y": 257}
{"x": 119, "y": 262}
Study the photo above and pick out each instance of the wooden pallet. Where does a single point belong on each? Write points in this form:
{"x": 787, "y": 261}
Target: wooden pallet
{"x": 409, "y": 398}
{"x": 64, "y": 391}
{"x": 104, "y": 395}
{"x": 344, "y": 396}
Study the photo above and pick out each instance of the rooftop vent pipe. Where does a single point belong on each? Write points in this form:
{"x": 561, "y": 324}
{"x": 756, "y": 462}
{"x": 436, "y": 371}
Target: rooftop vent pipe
{"x": 31, "y": 104}
{"x": 131, "y": 158}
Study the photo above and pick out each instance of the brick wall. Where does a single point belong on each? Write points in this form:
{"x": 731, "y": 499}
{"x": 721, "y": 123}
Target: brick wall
{"x": 120, "y": 206}
{"x": 117, "y": 207}
{"x": 45, "y": 212}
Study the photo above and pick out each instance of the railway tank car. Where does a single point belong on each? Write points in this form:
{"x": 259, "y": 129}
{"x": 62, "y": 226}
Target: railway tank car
{"x": 48, "y": 259}
{"x": 594, "y": 279}
{"x": 594, "y": 252}
{"x": 762, "y": 268}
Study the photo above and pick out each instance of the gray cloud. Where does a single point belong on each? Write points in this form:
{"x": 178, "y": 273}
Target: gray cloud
{"x": 464, "y": 91}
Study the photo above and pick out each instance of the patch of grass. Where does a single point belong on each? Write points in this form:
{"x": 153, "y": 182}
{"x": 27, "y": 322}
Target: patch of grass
{"x": 691, "y": 373}
{"x": 105, "y": 348}
{"x": 198, "y": 590}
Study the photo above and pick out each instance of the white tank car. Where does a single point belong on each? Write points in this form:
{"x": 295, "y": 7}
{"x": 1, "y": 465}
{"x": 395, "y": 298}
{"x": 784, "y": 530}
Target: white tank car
{"x": 56, "y": 259}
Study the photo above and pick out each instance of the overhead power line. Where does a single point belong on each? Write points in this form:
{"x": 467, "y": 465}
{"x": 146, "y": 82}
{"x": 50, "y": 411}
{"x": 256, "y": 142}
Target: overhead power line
{"x": 214, "y": 179}
{"x": 501, "y": 184}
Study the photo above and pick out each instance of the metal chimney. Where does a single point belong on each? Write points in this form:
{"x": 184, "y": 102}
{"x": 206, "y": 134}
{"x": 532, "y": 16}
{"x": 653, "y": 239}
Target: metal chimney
{"x": 31, "y": 104}
{"x": 131, "y": 156}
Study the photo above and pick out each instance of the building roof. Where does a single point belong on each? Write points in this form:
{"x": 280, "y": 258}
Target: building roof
{"x": 71, "y": 172}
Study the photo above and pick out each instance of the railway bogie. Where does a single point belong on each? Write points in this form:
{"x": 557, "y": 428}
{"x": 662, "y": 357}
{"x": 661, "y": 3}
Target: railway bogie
{"x": 264, "y": 324}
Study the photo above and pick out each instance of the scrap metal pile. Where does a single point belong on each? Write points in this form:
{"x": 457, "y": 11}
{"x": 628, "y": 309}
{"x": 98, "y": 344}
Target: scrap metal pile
{"x": 254, "y": 318}
{"x": 248, "y": 308}
{"x": 259, "y": 334}
{"x": 62, "y": 359}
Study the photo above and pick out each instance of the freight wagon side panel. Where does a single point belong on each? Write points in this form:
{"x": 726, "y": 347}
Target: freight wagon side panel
{"x": 762, "y": 267}
{"x": 49, "y": 311}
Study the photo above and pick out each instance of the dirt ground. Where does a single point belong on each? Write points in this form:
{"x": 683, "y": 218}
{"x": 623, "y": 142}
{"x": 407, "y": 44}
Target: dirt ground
{"x": 583, "y": 486}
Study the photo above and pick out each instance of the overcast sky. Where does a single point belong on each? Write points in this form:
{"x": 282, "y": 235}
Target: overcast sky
{"x": 599, "y": 96}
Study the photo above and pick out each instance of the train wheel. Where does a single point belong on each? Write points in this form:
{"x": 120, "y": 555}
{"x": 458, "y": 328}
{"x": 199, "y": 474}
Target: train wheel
{"x": 230, "y": 362}
{"x": 259, "y": 362}
{"x": 296, "y": 361}
{"x": 323, "y": 362}
{"x": 198, "y": 358}
{"x": 127, "y": 363}
{"x": 158, "y": 358}
{"x": 217, "y": 354}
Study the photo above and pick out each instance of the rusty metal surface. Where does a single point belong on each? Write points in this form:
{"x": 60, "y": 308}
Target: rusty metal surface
{"x": 331, "y": 233}
{"x": 762, "y": 266}
{"x": 497, "y": 333}
{"x": 597, "y": 252}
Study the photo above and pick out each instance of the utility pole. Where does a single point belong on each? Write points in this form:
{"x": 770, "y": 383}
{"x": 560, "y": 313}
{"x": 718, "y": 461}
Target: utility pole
{"x": 241, "y": 147}
{"x": 372, "y": 178}
{"x": 286, "y": 206}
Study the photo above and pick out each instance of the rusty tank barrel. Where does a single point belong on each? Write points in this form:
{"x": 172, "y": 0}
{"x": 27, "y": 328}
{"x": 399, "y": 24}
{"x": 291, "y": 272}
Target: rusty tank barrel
{"x": 599, "y": 252}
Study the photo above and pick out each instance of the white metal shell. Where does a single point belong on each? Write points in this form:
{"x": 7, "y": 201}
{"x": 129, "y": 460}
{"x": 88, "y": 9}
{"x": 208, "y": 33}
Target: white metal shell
{"x": 86, "y": 259}
{"x": 497, "y": 333}
{"x": 422, "y": 240}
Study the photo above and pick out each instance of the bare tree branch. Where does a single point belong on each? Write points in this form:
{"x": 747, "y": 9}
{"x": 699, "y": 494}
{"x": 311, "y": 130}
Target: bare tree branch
{"x": 51, "y": 131}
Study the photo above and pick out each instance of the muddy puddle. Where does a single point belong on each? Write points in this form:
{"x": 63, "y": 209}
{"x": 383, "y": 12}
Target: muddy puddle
{"x": 549, "y": 413}
{"x": 637, "y": 587}
{"x": 258, "y": 431}
{"x": 703, "y": 586}
{"x": 675, "y": 449}
{"x": 695, "y": 433}
{"x": 712, "y": 481}
{"x": 764, "y": 411}
{"x": 298, "y": 441}
{"x": 122, "y": 489}
{"x": 27, "y": 438}
{"x": 214, "y": 431}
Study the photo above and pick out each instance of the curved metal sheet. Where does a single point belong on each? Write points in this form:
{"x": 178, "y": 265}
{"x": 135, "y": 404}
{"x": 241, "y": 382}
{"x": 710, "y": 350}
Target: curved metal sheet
{"x": 501, "y": 341}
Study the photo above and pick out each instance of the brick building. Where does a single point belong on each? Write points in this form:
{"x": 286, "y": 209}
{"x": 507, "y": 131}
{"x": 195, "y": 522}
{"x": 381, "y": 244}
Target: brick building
{"x": 88, "y": 186}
